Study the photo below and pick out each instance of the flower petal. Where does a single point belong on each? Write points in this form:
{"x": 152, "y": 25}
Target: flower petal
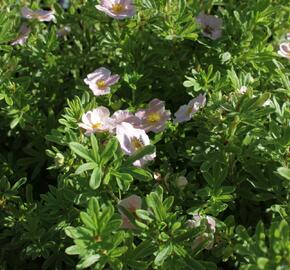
{"x": 112, "y": 80}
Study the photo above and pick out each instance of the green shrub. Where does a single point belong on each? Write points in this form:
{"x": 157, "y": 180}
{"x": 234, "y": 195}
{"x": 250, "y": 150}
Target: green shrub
{"x": 181, "y": 177}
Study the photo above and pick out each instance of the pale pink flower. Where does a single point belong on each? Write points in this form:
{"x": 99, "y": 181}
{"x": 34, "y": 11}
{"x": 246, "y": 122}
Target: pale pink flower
{"x": 40, "y": 15}
{"x": 284, "y": 50}
{"x": 23, "y": 35}
{"x": 131, "y": 140}
{"x": 100, "y": 81}
{"x": 97, "y": 120}
{"x": 117, "y": 9}
{"x": 155, "y": 117}
{"x": 196, "y": 222}
{"x": 131, "y": 204}
{"x": 288, "y": 36}
{"x": 121, "y": 116}
{"x": 211, "y": 26}
{"x": 185, "y": 112}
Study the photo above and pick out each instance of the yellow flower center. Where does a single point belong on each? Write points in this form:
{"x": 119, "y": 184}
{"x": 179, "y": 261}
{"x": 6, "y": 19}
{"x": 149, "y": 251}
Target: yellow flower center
{"x": 101, "y": 84}
{"x": 96, "y": 125}
{"x": 153, "y": 117}
{"x": 137, "y": 143}
{"x": 189, "y": 110}
{"x": 117, "y": 8}
{"x": 34, "y": 15}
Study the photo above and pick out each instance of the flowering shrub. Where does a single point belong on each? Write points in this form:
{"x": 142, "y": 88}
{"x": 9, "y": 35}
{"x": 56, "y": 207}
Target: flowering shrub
{"x": 145, "y": 134}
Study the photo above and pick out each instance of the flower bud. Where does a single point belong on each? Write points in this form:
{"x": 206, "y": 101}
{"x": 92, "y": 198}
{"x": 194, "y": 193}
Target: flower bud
{"x": 181, "y": 182}
{"x": 208, "y": 236}
{"x": 59, "y": 160}
{"x": 243, "y": 90}
{"x": 157, "y": 176}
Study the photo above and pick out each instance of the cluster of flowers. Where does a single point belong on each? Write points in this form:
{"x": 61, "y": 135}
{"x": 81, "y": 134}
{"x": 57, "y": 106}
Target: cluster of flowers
{"x": 211, "y": 26}
{"x": 40, "y": 15}
{"x": 122, "y": 9}
{"x": 134, "y": 202}
{"x": 130, "y": 129}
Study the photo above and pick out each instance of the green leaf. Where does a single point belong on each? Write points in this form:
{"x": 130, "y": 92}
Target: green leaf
{"x": 6, "y": 31}
{"x": 137, "y": 173}
{"x": 168, "y": 202}
{"x": 143, "y": 214}
{"x": 188, "y": 83}
{"x": 87, "y": 220}
{"x": 8, "y": 100}
{"x": 96, "y": 178}
{"x": 71, "y": 232}
{"x": 81, "y": 151}
{"x": 86, "y": 167}
{"x": 123, "y": 180}
{"x": 114, "y": 225}
{"x": 263, "y": 263}
{"x": 117, "y": 252}
{"x": 143, "y": 250}
{"x": 74, "y": 250}
{"x": 15, "y": 122}
{"x": 123, "y": 176}
{"x": 109, "y": 151}
{"x": 4, "y": 185}
{"x": 79, "y": 232}
{"x": 284, "y": 172}
{"x": 18, "y": 184}
{"x": 261, "y": 100}
{"x": 123, "y": 185}
{"x": 141, "y": 225}
{"x": 176, "y": 225}
{"x": 106, "y": 216}
{"x": 155, "y": 203}
{"x": 95, "y": 148}
{"x": 88, "y": 261}
{"x": 94, "y": 206}
{"x": 107, "y": 178}
{"x": 163, "y": 254}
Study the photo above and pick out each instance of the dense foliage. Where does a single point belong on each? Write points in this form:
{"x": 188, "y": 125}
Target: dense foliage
{"x": 213, "y": 188}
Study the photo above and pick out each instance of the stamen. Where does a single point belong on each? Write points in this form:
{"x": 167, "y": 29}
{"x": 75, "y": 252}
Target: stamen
{"x": 153, "y": 117}
{"x": 137, "y": 143}
{"x": 101, "y": 84}
{"x": 117, "y": 8}
{"x": 96, "y": 125}
{"x": 189, "y": 110}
